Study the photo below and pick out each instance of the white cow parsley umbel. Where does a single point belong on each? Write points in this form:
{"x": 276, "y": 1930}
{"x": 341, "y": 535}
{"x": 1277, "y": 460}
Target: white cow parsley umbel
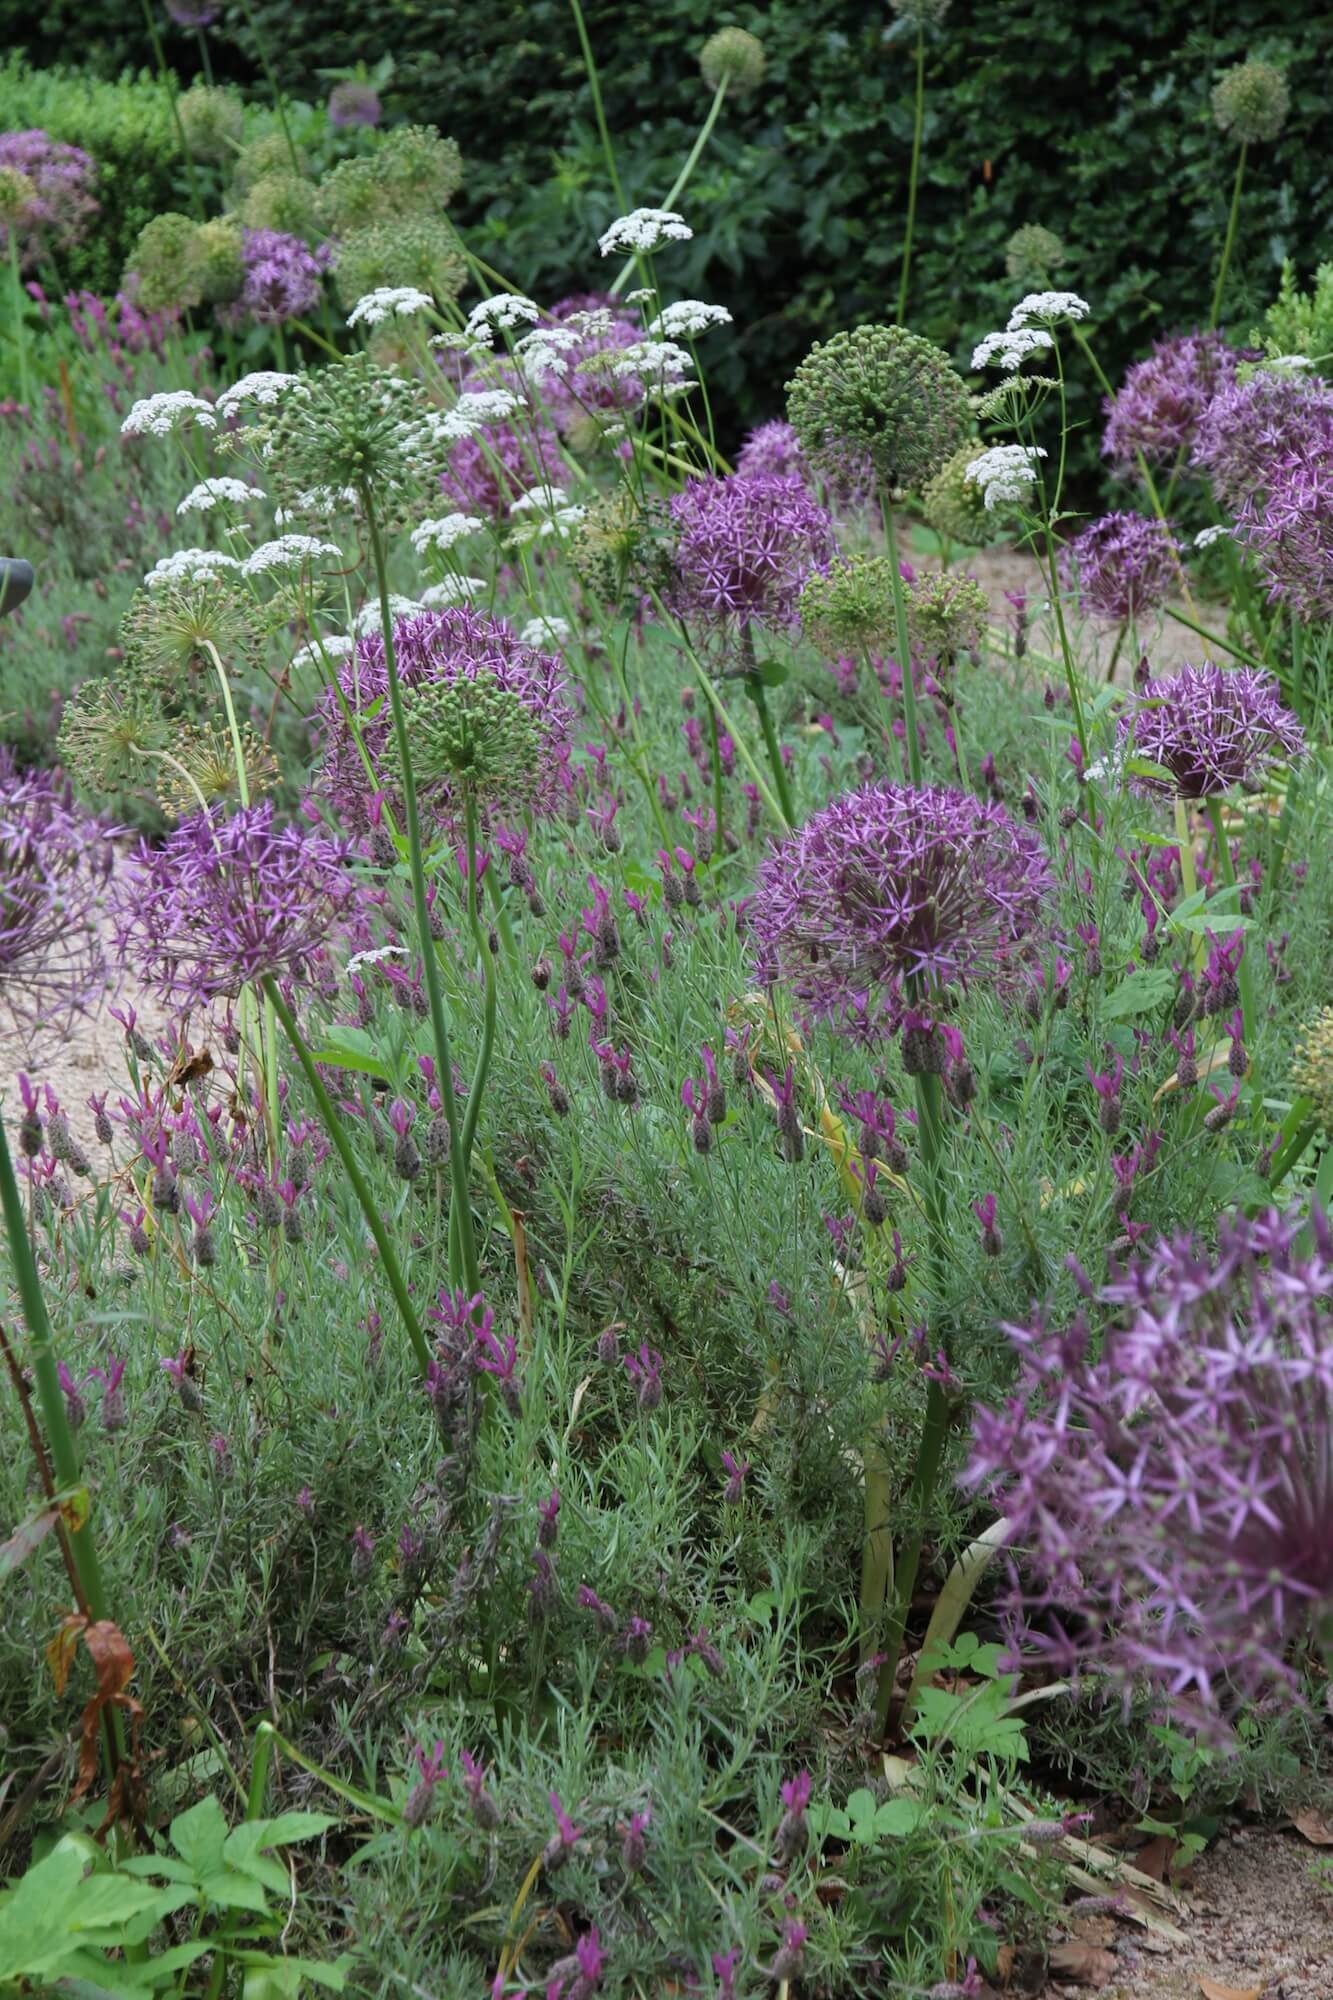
{"x": 1005, "y": 472}
{"x": 644, "y": 229}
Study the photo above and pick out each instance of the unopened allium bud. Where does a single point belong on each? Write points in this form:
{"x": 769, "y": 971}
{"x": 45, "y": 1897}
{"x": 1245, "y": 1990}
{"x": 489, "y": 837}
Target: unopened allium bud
{"x": 735, "y": 58}
{"x": 1250, "y": 102}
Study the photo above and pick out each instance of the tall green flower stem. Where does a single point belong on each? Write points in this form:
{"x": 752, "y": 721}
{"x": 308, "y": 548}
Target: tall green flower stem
{"x": 461, "y": 1231}
{"x": 1244, "y": 971}
{"x": 754, "y": 687}
{"x": 682, "y": 180}
{"x": 918, "y": 124}
{"x": 1189, "y": 879}
{"x": 20, "y": 335}
{"x": 1229, "y": 240}
{"x": 903, "y": 641}
{"x": 333, "y": 1125}
{"x": 715, "y": 702}
{"x": 487, "y": 957}
{"x": 279, "y": 95}
{"x": 599, "y": 111}
{"x": 169, "y": 86}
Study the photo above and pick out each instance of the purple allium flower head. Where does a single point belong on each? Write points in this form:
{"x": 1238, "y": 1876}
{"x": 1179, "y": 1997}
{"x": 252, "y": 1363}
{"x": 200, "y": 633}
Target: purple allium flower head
{"x": 1122, "y": 565}
{"x": 441, "y": 650}
{"x": 895, "y": 884}
{"x": 1158, "y": 407}
{"x": 588, "y": 385}
{"x": 1211, "y": 727}
{"x": 353, "y": 103}
{"x": 224, "y": 901}
{"x": 1251, "y": 428}
{"x": 62, "y": 206}
{"x": 284, "y": 279}
{"x": 1173, "y": 1496}
{"x": 1287, "y": 530}
{"x": 773, "y": 451}
{"x": 54, "y": 861}
{"x": 193, "y": 13}
{"x": 489, "y": 469}
{"x": 745, "y": 546}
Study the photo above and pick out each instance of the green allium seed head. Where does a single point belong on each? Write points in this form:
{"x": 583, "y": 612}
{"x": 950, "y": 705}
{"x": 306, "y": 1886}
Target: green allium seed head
{"x": 849, "y": 608}
{"x": 212, "y": 121}
{"x": 946, "y": 613}
{"x": 350, "y": 424}
{"x": 878, "y": 394}
{"x": 260, "y": 157}
{"x": 477, "y": 735}
{"x": 412, "y": 175}
{"x": 163, "y": 261}
{"x": 218, "y": 261}
{"x": 166, "y": 635}
{"x": 1250, "y": 102}
{"x": 418, "y": 251}
{"x": 204, "y": 766}
{"x": 17, "y": 195}
{"x": 622, "y": 547}
{"x": 953, "y": 504}
{"x": 282, "y": 201}
{"x": 734, "y": 57}
{"x": 1033, "y": 256}
{"x": 109, "y": 734}
{"x": 1312, "y": 1066}
{"x": 921, "y": 15}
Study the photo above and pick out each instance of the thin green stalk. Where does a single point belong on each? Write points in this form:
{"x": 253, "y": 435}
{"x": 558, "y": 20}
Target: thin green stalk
{"x": 1244, "y": 971}
{"x": 1213, "y": 638}
{"x": 168, "y": 84}
{"x": 682, "y": 179}
{"x": 334, "y": 1127}
{"x": 20, "y": 334}
{"x": 918, "y": 125}
{"x": 1189, "y": 879}
{"x": 475, "y": 1094}
{"x": 1230, "y": 238}
{"x": 715, "y": 748}
{"x": 903, "y": 642}
{"x": 430, "y": 966}
{"x": 599, "y": 112}
{"x": 279, "y": 96}
{"x": 755, "y": 689}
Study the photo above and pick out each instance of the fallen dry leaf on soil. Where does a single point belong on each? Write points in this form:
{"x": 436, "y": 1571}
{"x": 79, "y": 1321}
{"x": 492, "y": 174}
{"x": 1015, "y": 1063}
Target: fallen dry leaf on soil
{"x": 1314, "y": 1826}
{"x": 1212, "y": 1989}
{"x": 1086, "y": 1963}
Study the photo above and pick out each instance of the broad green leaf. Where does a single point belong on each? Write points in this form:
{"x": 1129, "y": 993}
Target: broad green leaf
{"x": 861, "y": 1804}
{"x": 898, "y": 1817}
{"x": 1139, "y": 993}
{"x": 198, "y": 1836}
{"x": 252, "y": 1836}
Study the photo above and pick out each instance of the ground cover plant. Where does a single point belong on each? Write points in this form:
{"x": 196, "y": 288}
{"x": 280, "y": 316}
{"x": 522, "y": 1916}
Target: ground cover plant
{"x": 695, "y": 1337}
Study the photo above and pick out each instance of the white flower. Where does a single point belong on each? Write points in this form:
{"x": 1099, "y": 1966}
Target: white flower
{"x": 209, "y": 491}
{"x": 1207, "y": 536}
{"x": 505, "y": 309}
{"x": 188, "y": 566}
{"x": 329, "y": 646}
{"x": 155, "y": 416}
{"x": 1011, "y": 347}
{"x": 546, "y": 632}
{"x": 558, "y": 523}
{"x": 266, "y": 385}
{"x": 643, "y": 296}
{"x": 540, "y": 500}
{"x": 688, "y": 317}
{"x": 368, "y": 617}
{"x": 388, "y": 302}
{"x": 1005, "y": 472}
{"x": 288, "y": 552}
{"x": 471, "y": 413}
{"x": 444, "y": 531}
{"x": 1045, "y": 308}
{"x": 593, "y": 322}
{"x": 360, "y": 958}
{"x": 319, "y": 500}
{"x": 1107, "y": 770}
{"x": 644, "y": 229}
{"x": 543, "y": 353}
{"x": 1288, "y": 363}
{"x": 649, "y": 357}
{"x": 454, "y": 590}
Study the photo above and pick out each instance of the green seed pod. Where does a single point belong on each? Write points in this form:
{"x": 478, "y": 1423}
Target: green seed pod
{"x": 734, "y": 57}
{"x": 212, "y": 121}
{"x": 1250, "y": 102}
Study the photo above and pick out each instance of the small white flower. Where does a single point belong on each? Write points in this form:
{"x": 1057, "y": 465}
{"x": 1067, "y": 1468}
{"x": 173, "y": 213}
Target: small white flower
{"x": 1010, "y": 348}
{"x": 540, "y": 526}
{"x": 317, "y": 500}
{"x": 1045, "y": 308}
{"x": 542, "y": 360}
{"x": 444, "y": 531}
{"x": 592, "y": 322}
{"x": 505, "y": 309}
{"x": 288, "y": 552}
{"x": 643, "y": 295}
{"x": 188, "y": 566}
{"x": 649, "y": 357}
{"x": 1005, "y": 472}
{"x": 368, "y": 617}
{"x": 644, "y": 229}
{"x": 266, "y": 385}
{"x": 540, "y": 500}
{"x": 1207, "y": 536}
{"x": 329, "y": 646}
{"x": 360, "y": 958}
{"x": 454, "y": 590}
{"x": 1293, "y": 364}
{"x": 210, "y": 491}
{"x": 1107, "y": 770}
{"x": 389, "y": 302}
{"x": 546, "y": 632}
{"x": 686, "y": 318}
{"x": 155, "y": 416}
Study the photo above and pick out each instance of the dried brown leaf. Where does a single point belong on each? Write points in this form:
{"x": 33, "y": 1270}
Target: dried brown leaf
{"x": 1087, "y": 1964}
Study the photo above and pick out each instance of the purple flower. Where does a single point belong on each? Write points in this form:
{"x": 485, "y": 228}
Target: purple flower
{"x": 894, "y": 884}
{"x": 431, "y": 1767}
{"x": 62, "y": 206}
{"x": 773, "y": 451}
{"x": 588, "y": 386}
{"x": 1122, "y": 565}
{"x": 1287, "y": 529}
{"x": 1160, "y": 404}
{"x": 745, "y": 545}
{"x": 284, "y": 279}
{"x": 485, "y": 1811}
{"x": 645, "y": 1372}
{"x": 353, "y": 103}
{"x": 489, "y": 469}
{"x": 1211, "y": 727}
{"x": 224, "y": 902}
{"x": 54, "y": 861}
{"x": 557, "y": 1849}
{"x": 793, "y": 1835}
{"x": 193, "y": 13}
{"x": 1251, "y": 428}
{"x": 1172, "y": 1496}
{"x": 737, "y": 1471}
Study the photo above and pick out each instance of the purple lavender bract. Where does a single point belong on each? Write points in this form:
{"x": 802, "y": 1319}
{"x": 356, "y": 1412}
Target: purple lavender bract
{"x": 1158, "y": 407}
{"x": 225, "y": 901}
{"x": 1174, "y": 1498}
{"x": 1122, "y": 565}
{"x": 54, "y": 861}
{"x": 745, "y": 545}
{"x": 1211, "y": 727}
{"x": 895, "y": 885}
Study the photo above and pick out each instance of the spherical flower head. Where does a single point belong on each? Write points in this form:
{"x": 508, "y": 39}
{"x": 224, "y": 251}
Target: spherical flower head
{"x": 489, "y": 711}
{"x": 623, "y": 546}
{"x": 644, "y": 229}
{"x": 412, "y": 174}
{"x": 283, "y": 279}
{"x": 1033, "y": 256}
{"x": 267, "y": 154}
{"x": 106, "y": 729}
{"x": 226, "y": 901}
{"x": 733, "y": 57}
{"x": 898, "y": 887}
{"x": 348, "y": 424}
{"x": 1253, "y": 427}
{"x": 161, "y": 265}
{"x": 170, "y": 634}
{"x": 1288, "y": 530}
{"x": 1210, "y": 728}
{"x": 212, "y": 121}
{"x": 219, "y": 260}
{"x": 881, "y": 395}
{"x": 1172, "y": 1496}
{"x": 946, "y": 613}
{"x": 744, "y": 547}
{"x": 1158, "y": 407}
{"x": 773, "y": 450}
{"x": 19, "y": 199}
{"x": 54, "y": 862}
{"x": 848, "y": 607}
{"x": 955, "y": 506}
{"x": 421, "y": 252}
{"x": 1250, "y": 102}
{"x": 50, "y": 205}
{"x": 1123, "y": 565}
{"x": 353, "y": 103}
{"x": 283, "y": 201}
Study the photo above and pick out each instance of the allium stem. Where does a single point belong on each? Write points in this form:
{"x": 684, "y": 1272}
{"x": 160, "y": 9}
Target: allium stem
{"x": 918, "y": 125}
{"x": 20, "y": 337}
{"x": 599, "y": 112}
{"x": 1189, "y": 879}
{"x": 466, "y": 1237}
{"x": 682, "y": 179}
{"x": 1228, "y": 242}
{"x": 930, "y": 1453}
{"x": 755, "y": 689}
{"x": 1244, "y": 971}
{"x": 473, "y": 1111}
{"x": 334, "y": 1127}
{"x": 904, "y": 644}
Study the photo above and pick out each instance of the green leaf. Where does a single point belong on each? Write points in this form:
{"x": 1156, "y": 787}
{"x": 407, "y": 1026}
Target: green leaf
{"x": 347, "y": 1047}
{"x": 861, "y": 1804}
{"x": 1139, "y": 993}
{"x": 828, "y": 1822}
{"x": 897, "y": 1817}
{"x": 228, "y": 1889}
{"x": 199, "y": 1836}
{"x": 252, "y": 1836}
{"x": 770, "y": 673}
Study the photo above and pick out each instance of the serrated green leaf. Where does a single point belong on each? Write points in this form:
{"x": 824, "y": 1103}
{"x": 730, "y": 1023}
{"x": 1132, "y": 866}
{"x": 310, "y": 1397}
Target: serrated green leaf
{"x": 898, "y": 1817}
{"x": 198, "y": 1836}
{"x": 1139, "y": 993}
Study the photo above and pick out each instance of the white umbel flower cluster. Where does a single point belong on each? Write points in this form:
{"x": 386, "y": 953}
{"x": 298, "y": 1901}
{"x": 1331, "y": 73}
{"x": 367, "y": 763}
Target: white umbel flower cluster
{"x": 539, "y": 632}
{"x": 454, "y": 590}
{"x": 211, "y": 493}
{"x": 288, "y": 552}
{"x": 686, "y": 318}
{"x": 644, "y": 229}
{"x": 319, "y": 501}
{"x": 368, "y": 617}
{"x": 157, "y": 416}
{"x": 389, "y": 302}
{"x": 442, "y": 533}
{"x": 542, "y": 354}
{"x": 266, "y": 385}
{"x": 329, "y": 646}
{"x": 1046, "y": 309}
{"x": 471, "y": 413}
{"x": 503, "y": 310}
{"x": 1005, "y": 472}
{"x": 1207, "y": 536}
{"x": 657, "y": 360}
{"x": 189, "y": 566}
{"x": 544, "y": 511}
{"x": 540, "y": 500}
{"x": 1010, "y": 348}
